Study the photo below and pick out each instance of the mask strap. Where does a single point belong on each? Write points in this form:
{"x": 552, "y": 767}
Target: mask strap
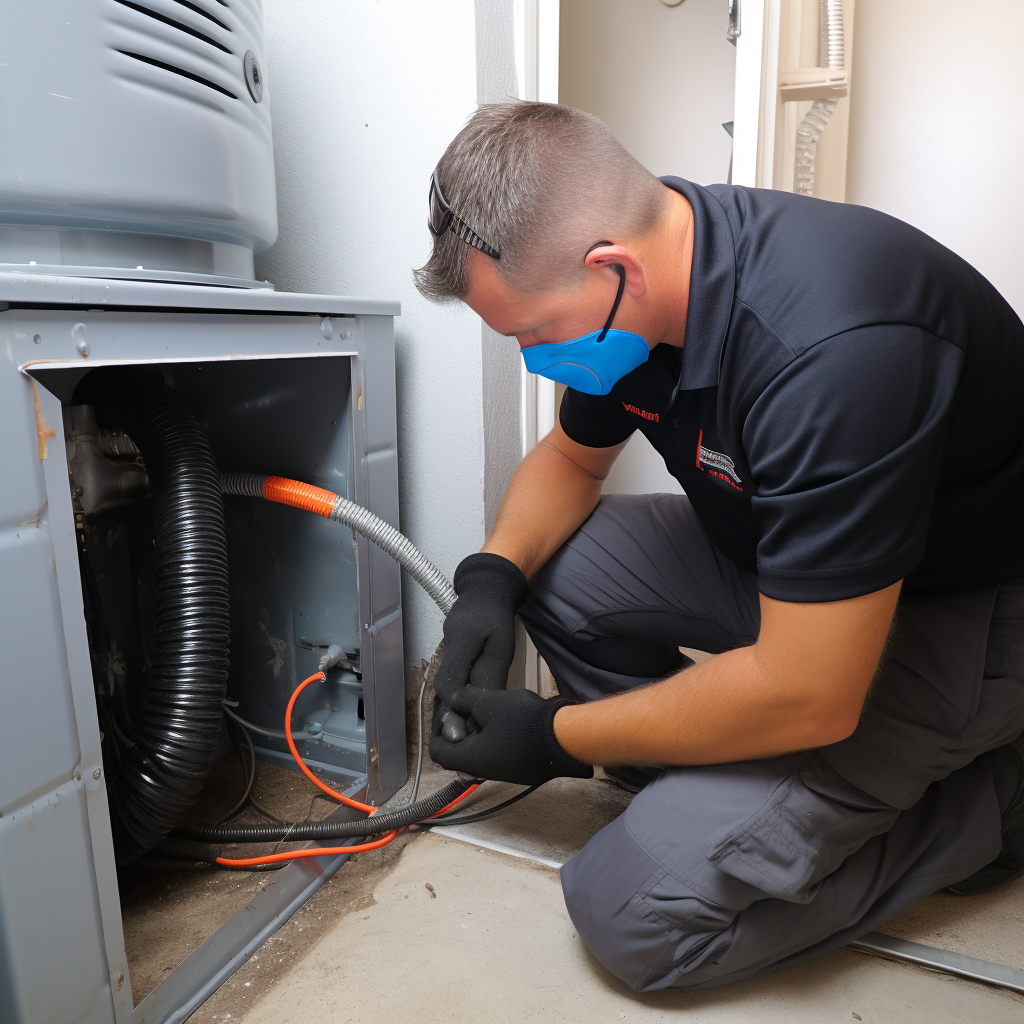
{"x": 621, "y": 271}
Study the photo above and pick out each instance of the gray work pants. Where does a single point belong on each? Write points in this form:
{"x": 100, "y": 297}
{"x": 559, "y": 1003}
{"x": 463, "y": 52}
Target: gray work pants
{"x": 718, "y": 873}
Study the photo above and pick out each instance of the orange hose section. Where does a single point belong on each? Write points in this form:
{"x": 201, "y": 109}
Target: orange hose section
{"x": 318, "y": 851}
{"x": 292, "y": 492}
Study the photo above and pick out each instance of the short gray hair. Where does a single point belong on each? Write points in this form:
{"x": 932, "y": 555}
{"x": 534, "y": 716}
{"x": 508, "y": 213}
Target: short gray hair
{"x": 541, "y": 183}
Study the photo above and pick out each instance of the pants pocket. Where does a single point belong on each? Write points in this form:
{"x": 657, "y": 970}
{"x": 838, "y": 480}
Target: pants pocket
{"x": 803, "y": 832}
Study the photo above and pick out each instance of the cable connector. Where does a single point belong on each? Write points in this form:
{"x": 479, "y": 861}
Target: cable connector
{"x": 335, "y": 654}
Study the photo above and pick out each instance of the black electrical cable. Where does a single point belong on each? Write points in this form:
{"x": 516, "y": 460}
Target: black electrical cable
{"x": 247, "y": 795}
{"x": 466, "y": 819}
{"x": 162, "y": 773}
{"x": 375, "y": 825}
{"x": 253, "y": 802}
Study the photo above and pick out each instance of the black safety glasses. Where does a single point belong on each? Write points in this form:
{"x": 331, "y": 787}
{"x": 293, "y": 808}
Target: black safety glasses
{"x": 443, "y": 218}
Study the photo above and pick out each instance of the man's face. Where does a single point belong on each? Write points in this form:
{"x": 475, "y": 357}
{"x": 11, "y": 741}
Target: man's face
{"x": 539, "y": 317}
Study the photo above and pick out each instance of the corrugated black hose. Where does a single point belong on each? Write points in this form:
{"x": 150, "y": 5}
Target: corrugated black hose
{"x": 381, "y": 822}
{"x": 160, "y": 775}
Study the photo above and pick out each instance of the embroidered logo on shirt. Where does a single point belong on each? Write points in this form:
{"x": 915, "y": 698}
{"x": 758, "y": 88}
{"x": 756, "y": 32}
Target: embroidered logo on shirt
{"x": 717, "y": 464}
{"x": 642, "y": 413}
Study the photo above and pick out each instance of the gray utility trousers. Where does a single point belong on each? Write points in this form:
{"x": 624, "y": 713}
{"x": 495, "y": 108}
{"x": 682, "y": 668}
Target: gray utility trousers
{"x": 719, "y": 873}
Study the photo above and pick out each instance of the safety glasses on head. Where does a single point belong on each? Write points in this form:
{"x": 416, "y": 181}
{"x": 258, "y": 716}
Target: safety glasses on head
{"x": 442, "y": 218}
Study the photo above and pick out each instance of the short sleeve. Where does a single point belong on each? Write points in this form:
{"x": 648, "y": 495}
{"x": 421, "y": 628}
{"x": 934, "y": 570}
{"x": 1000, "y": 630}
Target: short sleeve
{"x": 597, "y": 421}
{"x": 844, "y": 447}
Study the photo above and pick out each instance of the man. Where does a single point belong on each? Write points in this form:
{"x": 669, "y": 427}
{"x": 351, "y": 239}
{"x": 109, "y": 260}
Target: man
{"x": 841, "y": 399}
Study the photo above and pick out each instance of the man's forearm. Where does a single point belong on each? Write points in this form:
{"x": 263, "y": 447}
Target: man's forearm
{"x": 801, "y": 685}
{"x": 719, "y": 711}
{"x": 547, "y": 500}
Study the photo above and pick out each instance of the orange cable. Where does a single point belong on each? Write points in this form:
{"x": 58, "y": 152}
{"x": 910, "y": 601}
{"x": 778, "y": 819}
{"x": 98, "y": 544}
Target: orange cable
{"x": 313, "y": 851}
{"x": 347, "y": 800}
{"x": 322, "y": 851}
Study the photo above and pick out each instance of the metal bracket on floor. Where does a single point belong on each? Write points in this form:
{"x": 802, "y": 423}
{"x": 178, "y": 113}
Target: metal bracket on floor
{"x": 944, "y": 960}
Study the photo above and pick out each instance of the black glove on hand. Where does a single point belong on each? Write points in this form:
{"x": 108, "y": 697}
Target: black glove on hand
{"x": 515, "y": 741}
{"x": 480, "y": 630}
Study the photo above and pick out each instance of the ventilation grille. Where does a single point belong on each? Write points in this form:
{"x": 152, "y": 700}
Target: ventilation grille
{"x": 190, "y": 39}
{"x": 179, "y": 71}
{"x": 164, "y": 20}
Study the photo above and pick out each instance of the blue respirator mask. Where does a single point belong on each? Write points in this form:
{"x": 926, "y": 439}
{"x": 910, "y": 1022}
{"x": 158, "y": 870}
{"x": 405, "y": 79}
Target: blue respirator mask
{"x": 595, "y": 362}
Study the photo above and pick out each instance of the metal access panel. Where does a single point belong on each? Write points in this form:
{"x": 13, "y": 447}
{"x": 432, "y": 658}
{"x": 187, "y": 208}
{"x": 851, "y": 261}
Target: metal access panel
{"x": 290, "y": 385}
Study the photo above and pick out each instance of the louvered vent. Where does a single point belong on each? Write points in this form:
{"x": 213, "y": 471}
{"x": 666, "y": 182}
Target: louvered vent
{"x": 191, "y": 40}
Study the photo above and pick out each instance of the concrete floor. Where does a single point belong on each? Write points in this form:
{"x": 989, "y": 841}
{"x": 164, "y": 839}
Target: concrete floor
{"x": 493, "y": 943}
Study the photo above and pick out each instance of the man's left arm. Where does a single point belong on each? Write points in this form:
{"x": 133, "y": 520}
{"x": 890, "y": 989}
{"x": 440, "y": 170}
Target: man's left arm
{"x": 801, "y": 685}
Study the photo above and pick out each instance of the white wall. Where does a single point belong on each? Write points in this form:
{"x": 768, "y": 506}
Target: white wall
{"x": 936, "y": 126}
{"x": 662, "y": 78}
{"x": 365, "y": 96}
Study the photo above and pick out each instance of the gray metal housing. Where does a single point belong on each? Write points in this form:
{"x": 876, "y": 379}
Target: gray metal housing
{"x": 134, "y": 138}
{"x": 245, "y": 358}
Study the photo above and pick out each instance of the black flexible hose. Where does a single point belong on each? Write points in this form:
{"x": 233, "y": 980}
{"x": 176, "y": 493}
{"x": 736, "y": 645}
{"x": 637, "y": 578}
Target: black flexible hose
{"x": 468, "y": 819}
{"x": 177, "y": 731}
{"x": 383, "y": 822}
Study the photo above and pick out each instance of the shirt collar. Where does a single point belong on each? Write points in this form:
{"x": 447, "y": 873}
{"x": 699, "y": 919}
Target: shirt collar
{"x": 712, "y": 284}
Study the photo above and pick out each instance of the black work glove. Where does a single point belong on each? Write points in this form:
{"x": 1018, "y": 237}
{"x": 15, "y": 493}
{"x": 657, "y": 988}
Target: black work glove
{"x": 480, "y": 630}
{"x": 514, "y": 742}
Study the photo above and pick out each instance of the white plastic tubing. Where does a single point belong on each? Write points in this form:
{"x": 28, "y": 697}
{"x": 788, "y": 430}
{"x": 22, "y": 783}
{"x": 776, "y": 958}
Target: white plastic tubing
{"x": 832, "y": 54}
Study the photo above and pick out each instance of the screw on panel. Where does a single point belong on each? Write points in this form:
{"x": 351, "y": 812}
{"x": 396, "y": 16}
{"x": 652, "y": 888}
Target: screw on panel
{"x": 37, "y": 339}
{"x": 253, "y": 76}
{"x": 96, "y": 774}
{"x": 78, "y": 336}
{"x": 77, "y": 774}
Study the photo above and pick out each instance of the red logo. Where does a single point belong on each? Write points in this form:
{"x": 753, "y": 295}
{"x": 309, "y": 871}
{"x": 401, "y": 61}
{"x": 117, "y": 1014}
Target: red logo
{"x": 642, "y": 413}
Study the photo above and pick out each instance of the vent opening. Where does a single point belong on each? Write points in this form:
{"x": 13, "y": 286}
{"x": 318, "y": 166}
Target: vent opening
{"x": 206, "y": 14}
{"x": 174, "y": 24}
{"x": 179, "y": 71}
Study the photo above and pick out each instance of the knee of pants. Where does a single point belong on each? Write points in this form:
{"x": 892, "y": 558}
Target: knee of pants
{"x": 606, "y": 888}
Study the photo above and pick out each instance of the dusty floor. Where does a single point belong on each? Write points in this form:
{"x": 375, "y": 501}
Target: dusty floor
{"x": 169, "y": 908}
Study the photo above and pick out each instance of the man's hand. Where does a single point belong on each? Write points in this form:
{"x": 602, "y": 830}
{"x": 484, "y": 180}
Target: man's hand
{"x": 480, "y": 630}
{"x": 802, "y": 685}
{"x": 515, "y": 741}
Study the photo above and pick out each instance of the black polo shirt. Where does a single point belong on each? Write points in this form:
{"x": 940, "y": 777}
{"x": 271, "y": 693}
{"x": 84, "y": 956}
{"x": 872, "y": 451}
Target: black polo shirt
{"x": 847, "y": 409}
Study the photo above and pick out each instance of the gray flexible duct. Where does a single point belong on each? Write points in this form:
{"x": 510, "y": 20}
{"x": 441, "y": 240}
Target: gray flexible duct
{"x": 832, "y": 54}
{"x": 399, "y": 547}
{"x": 371, "y": 526}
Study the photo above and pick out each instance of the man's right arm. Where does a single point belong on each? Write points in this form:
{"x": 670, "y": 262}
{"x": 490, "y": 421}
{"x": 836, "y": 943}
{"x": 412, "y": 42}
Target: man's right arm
{"x": 552, "y": 492}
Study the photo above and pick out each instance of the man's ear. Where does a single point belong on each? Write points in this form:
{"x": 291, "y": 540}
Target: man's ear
{"x": 609, "y": 253}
